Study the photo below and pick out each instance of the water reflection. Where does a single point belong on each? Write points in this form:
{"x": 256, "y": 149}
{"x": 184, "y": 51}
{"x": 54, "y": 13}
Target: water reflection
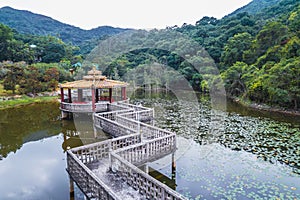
{"x": 36, "y": 171}
{"x": 33, "y": 141}
{"x": 232, "y": 165}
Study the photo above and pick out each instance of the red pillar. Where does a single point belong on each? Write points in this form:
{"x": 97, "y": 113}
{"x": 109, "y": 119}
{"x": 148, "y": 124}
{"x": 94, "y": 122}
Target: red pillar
{"x": 110, "y": 95}
{"x": 79, "y": 95}
{"x": 93, "y": 99}
{"x": 62, "y": 97}
{"x": 123, "y": 91}
{"x": 69, "y": 95}
{"x": 97, "y": 95}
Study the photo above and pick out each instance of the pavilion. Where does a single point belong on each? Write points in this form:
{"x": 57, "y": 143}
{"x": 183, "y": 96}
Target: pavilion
{"x": 91, "y": 94}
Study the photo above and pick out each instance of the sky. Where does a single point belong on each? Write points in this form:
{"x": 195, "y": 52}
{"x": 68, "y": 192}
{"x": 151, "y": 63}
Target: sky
{"x": 138, "y": 14}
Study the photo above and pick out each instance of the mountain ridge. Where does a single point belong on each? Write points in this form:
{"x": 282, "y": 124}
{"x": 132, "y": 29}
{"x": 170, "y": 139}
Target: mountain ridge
{"x": 27, "y": 22}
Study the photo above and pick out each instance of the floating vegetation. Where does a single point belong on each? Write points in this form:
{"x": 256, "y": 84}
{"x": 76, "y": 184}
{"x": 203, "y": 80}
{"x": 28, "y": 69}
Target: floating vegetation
{"x": 236, "y": 156}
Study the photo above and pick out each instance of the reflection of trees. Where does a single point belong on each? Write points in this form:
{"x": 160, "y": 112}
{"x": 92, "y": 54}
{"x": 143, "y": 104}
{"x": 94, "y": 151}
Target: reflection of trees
{"x": 80, "y": 131}
{"x": 18, "y": 124}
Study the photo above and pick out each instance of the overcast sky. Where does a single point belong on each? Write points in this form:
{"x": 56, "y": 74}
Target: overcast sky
{"x": 143, "y": 14}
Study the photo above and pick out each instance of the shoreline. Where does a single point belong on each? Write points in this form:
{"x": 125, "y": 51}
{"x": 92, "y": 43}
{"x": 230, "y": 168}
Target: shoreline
{"x": 25, "y": 100}
{"x": 266, "y": 108}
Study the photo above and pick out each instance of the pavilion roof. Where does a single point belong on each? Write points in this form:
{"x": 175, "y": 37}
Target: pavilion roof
{"x": 94, "y": 79}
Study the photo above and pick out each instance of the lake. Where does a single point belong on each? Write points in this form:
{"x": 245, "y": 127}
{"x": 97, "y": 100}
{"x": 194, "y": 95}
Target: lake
{"x": 252, "y": 155}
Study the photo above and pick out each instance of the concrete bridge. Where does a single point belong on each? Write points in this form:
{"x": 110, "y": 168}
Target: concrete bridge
{"x": 111, "y": 169}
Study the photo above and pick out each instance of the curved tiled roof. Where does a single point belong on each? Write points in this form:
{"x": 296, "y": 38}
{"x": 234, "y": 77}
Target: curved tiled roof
{"x": 94, "y": 79}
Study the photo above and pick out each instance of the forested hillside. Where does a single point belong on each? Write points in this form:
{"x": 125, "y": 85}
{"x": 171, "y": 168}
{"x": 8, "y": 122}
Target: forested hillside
{"x": 255, "y": 7}
{"x": 26, "y": 22}
{"x": 257, "y": 52}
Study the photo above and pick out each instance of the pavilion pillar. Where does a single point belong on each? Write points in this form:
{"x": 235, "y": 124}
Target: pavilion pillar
{"x": 93, "y": 99}
{"x": 110, "y": 95}
{"x": 69, "y": 95}
{"x": 97, "y": 95}
{"x": 80, "y": 95}
{"x": 62, "y": 97}
{"x": 123, "y": 93}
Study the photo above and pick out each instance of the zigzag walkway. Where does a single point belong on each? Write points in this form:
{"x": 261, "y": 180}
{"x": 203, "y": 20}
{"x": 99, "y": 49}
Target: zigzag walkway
{"x": 109, "y": 169}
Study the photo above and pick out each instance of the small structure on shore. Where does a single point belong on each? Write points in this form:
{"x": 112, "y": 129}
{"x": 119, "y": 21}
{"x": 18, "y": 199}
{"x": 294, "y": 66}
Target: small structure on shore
{"x": 87, "y": 95}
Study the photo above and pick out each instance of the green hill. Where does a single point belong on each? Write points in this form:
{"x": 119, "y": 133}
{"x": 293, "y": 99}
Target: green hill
{"x": 26, "y": 22}
{"x": 255, "y": 7}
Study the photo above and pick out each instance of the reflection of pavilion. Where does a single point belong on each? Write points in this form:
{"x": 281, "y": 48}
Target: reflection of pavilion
{"x": 91, "y": 94}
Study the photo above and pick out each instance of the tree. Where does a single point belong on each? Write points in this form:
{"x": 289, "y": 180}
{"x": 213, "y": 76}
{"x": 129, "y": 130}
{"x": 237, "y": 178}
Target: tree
{"x": 272, "y": 34}
{"x": 234, "y": 49}
{"x": 54, "y": 52}
{"x": 285, "y": 76}
{"x": 14, "y": 76}
{"x": 6, "y": 35}
{"x": 237, "y": 77}
{"x": 31, "y": 83}
{"x": 51, "y": 78}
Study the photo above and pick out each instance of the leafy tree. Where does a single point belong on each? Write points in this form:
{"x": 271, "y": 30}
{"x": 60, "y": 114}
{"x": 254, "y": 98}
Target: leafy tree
{"x": 237, "y": 77}
{"x": 54, "y": 52}
{"x": 15, "y": 74}
{"x": 6, "y": 35}
{"x": 31, "y": 82}
{"x": 51, "y": 78}
{"x": 271, "y": 34}
{"x": 284, "y": 81}
{"x": 234, "y": 49}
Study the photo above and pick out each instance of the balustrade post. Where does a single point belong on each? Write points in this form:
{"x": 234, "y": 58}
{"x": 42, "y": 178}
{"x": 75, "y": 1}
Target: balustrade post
{"x": 139, "y": 129}
{"x": 173, "y": 167}
{"x": 72, "y": 193}
{"x": 109, "y": 155}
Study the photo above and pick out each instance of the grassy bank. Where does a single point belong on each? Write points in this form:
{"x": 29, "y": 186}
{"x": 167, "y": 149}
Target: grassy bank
{"x": 25, "y": 100}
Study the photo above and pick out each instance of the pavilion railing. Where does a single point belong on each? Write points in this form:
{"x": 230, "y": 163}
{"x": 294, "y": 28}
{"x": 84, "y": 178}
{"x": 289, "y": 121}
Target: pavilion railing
{"x": 84, "y": 107}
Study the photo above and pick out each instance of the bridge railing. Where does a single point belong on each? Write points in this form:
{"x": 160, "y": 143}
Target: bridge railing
{"x": 139, "y": 180}
{"x": 87, "y": 181}
{"x": 117, "y": 107}
{"x": 148, "y": 150}
{"x": 128, "y": 122}
{"x": 136, "y": 143}
{"x": 142, "y": 115}
{"x": 149, "y": 132}
{"x": 112, "y": 127}
{"x": 135, "y": 107}
{"x": 94, "y": 152}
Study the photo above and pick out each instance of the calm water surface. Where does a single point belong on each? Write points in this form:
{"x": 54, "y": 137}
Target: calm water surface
{"x": 255, "y": 155}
